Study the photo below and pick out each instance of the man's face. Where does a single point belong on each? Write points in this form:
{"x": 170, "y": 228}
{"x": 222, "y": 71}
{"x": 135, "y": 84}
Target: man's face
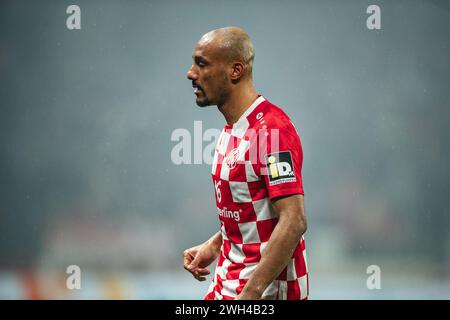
{"x": 208, "y": 75}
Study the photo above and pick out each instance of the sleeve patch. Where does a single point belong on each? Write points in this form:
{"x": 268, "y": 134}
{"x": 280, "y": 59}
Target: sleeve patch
{"x": 280, "y": 168}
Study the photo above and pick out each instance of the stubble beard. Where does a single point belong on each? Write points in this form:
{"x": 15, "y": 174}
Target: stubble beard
{"x": 222, "y": 94}
{"x": 203, "y": 103}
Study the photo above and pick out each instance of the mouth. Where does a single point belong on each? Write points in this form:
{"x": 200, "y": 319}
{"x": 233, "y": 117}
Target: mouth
{"x": 197, "y": 89}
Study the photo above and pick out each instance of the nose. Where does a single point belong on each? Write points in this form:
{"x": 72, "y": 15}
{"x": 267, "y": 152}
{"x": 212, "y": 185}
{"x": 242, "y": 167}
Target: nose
{"x": 191, "y": 75}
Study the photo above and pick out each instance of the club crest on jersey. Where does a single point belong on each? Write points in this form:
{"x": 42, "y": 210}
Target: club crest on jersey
{"x": 232, "y": 158}
{"x": 280, "y": 167}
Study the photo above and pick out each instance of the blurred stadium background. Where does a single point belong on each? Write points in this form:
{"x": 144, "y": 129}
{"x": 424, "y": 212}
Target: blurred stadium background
{"x": 86, "y": 118}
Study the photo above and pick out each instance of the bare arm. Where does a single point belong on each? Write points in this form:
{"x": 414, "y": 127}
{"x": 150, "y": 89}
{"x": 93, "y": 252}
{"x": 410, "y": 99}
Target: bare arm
{"x": 280, "y": 247}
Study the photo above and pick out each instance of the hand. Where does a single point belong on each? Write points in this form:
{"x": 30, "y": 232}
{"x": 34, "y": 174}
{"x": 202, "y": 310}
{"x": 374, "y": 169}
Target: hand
{"x": 197, "y": 258}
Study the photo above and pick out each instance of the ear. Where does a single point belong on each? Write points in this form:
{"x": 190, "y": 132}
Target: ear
{"x": 237, "y": 71}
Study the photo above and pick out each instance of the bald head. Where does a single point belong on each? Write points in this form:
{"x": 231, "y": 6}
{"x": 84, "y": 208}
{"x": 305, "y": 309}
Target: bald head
{"x": 233, "y": 44}
{"x": 221, "y": 72}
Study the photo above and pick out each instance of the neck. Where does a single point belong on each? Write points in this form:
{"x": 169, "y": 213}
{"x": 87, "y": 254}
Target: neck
{"x": 240, "y": 99}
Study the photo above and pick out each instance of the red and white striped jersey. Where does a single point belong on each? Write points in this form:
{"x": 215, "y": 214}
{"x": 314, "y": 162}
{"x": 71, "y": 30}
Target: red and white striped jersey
{"x": 256, "y": 159}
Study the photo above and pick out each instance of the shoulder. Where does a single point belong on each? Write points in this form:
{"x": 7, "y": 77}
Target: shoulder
{"x": 270, "y": 116}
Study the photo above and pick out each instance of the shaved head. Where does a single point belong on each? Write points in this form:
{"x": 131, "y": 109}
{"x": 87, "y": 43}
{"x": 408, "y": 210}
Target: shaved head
{"x": 222, "y": 68}
{"x": 233, "y": 44}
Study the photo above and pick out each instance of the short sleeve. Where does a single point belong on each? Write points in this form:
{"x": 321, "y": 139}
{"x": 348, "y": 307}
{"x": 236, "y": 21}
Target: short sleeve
{"x": 281, "y": 162}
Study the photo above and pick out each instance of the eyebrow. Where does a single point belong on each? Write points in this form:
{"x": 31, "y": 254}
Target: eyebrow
{"x": 200, "y": 59}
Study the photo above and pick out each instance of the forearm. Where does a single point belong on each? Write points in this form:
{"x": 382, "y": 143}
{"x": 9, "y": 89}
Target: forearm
{"x": 276, "y": 256}
{"x": 215, "y": 242}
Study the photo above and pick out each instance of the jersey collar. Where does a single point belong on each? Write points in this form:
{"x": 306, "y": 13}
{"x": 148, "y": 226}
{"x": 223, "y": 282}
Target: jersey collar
{"x": 242, "y": 123}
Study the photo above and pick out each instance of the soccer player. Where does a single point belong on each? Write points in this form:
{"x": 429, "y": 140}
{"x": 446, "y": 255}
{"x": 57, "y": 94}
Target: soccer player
{"x": 257, "y": 179}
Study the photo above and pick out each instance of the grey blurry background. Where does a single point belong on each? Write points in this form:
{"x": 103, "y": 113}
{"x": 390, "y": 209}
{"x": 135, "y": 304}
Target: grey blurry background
{"x": 86, "y": 118}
